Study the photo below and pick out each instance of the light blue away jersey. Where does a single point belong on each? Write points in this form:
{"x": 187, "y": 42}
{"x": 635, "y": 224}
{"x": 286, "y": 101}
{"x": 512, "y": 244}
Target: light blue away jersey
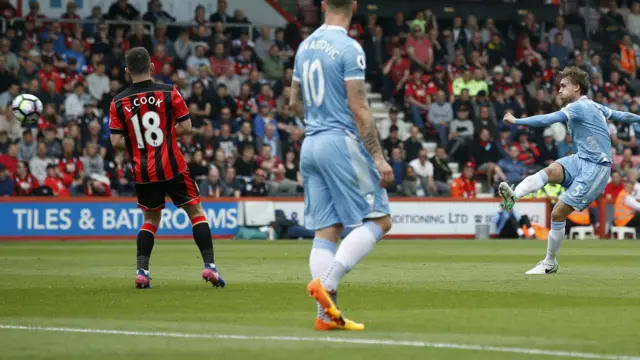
{"x": 324, "y": 61}
{"x": 587, "y": 123}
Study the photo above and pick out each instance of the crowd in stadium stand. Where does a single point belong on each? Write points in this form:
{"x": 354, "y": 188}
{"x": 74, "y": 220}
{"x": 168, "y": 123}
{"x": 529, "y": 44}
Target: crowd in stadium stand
{"x": 442, "y": 81}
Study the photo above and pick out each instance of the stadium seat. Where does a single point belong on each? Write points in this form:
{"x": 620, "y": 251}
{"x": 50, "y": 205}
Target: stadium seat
{"x": 582, "y": 232}
{"x": 621, "y": 232}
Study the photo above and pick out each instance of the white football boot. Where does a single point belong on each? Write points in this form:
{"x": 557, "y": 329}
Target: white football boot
{"x": 544, "y": 267}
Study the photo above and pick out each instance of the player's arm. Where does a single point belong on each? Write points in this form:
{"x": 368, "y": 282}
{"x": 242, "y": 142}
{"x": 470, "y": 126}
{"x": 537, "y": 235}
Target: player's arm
{"x": 181, "y": 114}
{"x": 295, "y": 100}
{"x": 624, "y": 117}
{"x": 537, "y": 120}
{"x": 116, "y": 128}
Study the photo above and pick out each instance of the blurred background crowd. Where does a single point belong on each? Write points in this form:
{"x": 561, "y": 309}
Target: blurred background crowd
{"x": 438, "y": 88}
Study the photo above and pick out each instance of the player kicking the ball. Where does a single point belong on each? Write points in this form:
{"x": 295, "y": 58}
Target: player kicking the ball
{"x": 584, "y": 174}
{"x": 147, "y": 119}
{"x": 341, "y": 160}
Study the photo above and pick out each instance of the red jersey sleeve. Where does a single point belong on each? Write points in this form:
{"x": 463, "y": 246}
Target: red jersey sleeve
{"x": 115, "y": 123}
{"x": 180, "y": 109}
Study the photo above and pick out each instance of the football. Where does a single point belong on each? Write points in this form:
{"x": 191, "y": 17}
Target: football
{"x": 26, "y": 108}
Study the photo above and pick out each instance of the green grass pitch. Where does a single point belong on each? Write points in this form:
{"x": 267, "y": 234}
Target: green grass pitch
{"x": 418, "y": 299}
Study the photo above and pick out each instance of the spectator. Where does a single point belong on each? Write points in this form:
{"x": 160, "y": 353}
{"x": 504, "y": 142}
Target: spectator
{"x": 399, "y": 169}
{"x": 512, "y": 168}
{"x": 76, "y": 52}
{"x": 10, "y": 159}
{"x": 74, "y": 104}
{"x": 464, "y": 82}
{"x": 440, "y": 116}
{"x": 245, "y": 137}
{"x": 272, "y": 65}
{"x": 465, "y": 185}
{"x": 245, "y": 165}
{"x": 485, "y": 122}
{"x": 622, "y": 135}
{"x": 53, "y": 180}
{"x": 461, "y": 35}
{"x": 140, "y": 38}
{"x": 384, "y": 125}
{"x": 6, "y": 183}
{"x": 38, "y": 164}
{"x": 611, "y": 24}
{"x": 49, "y": 73}
{"x": 417, "y": 97}
{"x": 257, "y": 187}
{"x": 24, "y": 182}
{"x": 122, "y": 10}
{"x": 197, "y": 59}
{"x": 488, "y": 30}
{"x": 97, "y": 185}
{"x": 220, "y": 62}
{"x": 264, "y": 43}
{"x": 560, "y": 28}
{"x": 262, "y": 119}
{"x": 486, "y": 155}
{"x": 633, "y": 19}
{"x": 375, "y": 48}
{"x": 239, "y": 19}
{"x": 98, "y": 82}
{"x": 441, "y": 170}
{"x": 413, "y": 144}
{"x": 627, "y": 163}
{"x": 567, "y": 147}
{"x": 156, "y": 14}
{"x": 71, "y": 167}
{"x": 11, "y": 63}
{"x": 411, "y": 185}
{"x": 528, "y": 150}
{"x": 95, "y": 17}
{"x": 161, "y": 58}
{"x": 28, "y": 146}
{"x": 27, "y": 73}
{"x": 391, "y": 142}
{"x": 213, "y": 186}
{"x": 614, "y": 187}
{"x": 292, "y": 169}
{"x": 6, "y": 97}
{"x": 628, "y": 56}
{"x": 92, "y": 162}
{"x": 222, "y": 99}
{"x": 395, "y": 75}
{"x": 461, "y": 132}
{"x": 400, "y": 25}
{"x": 424, "y": 171}
{"x": 9, "y": 124}
{"x": 221, "y": 14}
{"x": 548, "y": 150}
{"x": 233, "y": 186}
{"x": 184, "y": 47}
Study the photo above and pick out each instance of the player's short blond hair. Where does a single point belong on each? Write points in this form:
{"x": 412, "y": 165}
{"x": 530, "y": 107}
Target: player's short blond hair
{"x": 344, "y": 5}
{"x": 576, "y": 76}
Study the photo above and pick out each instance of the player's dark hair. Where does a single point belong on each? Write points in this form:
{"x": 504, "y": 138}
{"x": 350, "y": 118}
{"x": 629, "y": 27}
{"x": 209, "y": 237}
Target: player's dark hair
{"x": 138, "y": 61}
{"x": 578, "y": 77}
{"x": 343, "y": 5}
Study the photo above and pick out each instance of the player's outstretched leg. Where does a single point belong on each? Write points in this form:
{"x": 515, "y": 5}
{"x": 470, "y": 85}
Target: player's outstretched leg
{"x": 528, "y": 185}
{"x": 145, "y": 241}
{"x": 202, "y": 237}
{"x": 321, "y": 257}
{"x": 352, "y": 250}
{"x": 558, "y": 220}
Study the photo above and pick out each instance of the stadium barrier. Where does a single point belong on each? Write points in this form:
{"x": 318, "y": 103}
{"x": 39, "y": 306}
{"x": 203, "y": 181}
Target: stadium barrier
{"x": 85, "y": 218}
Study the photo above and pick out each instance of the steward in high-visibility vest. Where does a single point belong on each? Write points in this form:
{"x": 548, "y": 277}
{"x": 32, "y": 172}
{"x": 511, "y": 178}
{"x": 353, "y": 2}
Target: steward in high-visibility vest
{"x": 549, "y": 191}
{"x": 626, "y": 208}
{"x": 627, "y": 55}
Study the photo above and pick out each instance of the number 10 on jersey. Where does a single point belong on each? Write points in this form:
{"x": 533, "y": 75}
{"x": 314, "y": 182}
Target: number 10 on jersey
{"x": 312, "y": 91}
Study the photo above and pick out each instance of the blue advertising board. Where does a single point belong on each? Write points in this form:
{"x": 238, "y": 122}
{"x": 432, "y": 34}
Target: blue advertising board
{"x": 103, "y": 218}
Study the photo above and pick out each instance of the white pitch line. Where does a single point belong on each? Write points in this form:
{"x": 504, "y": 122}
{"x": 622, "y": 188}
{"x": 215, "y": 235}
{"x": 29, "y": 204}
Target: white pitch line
{"x": 354, "y": 341}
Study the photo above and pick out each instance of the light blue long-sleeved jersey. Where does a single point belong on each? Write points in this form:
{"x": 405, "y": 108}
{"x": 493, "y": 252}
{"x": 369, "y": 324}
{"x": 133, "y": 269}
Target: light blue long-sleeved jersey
{"x": 587, "y": 123}
{"x": 324, "y": 61}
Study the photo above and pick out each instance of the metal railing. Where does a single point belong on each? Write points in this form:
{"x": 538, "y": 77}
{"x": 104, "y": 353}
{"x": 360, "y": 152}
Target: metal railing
{"x": 185, "y": 24}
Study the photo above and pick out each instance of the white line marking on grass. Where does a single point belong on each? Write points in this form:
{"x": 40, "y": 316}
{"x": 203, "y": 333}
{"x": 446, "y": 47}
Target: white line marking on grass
{"x": 327, "y": 339}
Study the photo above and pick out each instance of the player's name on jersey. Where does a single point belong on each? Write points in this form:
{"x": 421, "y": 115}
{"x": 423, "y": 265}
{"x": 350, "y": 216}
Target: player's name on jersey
{"x": 321, "y": 45}
{"x": 144, "y": 100}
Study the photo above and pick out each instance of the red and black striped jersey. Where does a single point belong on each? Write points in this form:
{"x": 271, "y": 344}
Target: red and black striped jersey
{"x": 146, "y": 114}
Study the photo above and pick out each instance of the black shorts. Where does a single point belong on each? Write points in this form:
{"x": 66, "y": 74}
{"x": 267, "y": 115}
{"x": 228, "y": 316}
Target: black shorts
{"x": 182, "y": 190}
